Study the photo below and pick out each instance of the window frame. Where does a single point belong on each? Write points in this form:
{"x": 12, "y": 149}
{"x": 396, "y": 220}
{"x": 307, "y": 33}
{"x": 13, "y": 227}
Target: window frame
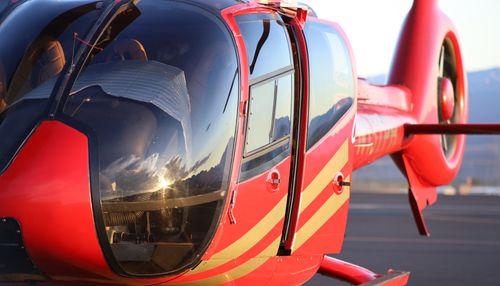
{"x": 271, "y": 146}
{"x": 286, "y": 141}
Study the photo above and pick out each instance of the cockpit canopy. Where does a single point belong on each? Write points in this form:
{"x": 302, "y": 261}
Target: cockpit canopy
{"x": 157, "y": 95}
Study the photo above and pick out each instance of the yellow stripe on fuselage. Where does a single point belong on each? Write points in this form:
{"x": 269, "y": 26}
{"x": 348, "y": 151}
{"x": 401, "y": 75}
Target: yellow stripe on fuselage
{"x": 327, "y": 210}
{"x": 238, "y": 271}
{"x": 325, "y": 176}
{"x": 257, "y": 233}
{"x": 247, "y": 241}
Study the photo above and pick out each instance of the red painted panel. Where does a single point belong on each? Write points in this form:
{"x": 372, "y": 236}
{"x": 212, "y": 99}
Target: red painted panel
{"x": 328, "y": 235}
{"x": 315, "y": 166}
{"x": 346, "y": 271}
{"x": 295, "y": 270}
{"x": 398, "y": 97}
{"x": 227, "y": 269}
{"x": 46, "y": 188}
{"x": 318, "y": 168}
{"x": 416, "y": 66}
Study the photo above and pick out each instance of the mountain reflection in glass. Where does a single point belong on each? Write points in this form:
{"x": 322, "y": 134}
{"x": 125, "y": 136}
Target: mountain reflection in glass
{"x": 162, "y": 105}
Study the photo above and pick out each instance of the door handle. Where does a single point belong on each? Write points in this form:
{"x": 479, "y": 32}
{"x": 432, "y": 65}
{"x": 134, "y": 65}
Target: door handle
{"x": 273, "y": 181}
{"x": 232, "y": 203}
{"x": 339, "y": 183}
{"x": 344, "y": 184}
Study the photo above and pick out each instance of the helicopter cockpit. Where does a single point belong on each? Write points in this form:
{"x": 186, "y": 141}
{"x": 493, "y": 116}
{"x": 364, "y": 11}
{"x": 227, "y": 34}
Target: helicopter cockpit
{"x": 154, "y": 86}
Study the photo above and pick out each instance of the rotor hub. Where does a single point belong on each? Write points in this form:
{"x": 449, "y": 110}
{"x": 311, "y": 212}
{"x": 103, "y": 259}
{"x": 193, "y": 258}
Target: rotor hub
{"x": 447, "y": 99}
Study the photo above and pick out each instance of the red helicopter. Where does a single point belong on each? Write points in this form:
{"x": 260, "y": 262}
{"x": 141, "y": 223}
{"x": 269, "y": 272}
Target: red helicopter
{"x": 200, "y": 142}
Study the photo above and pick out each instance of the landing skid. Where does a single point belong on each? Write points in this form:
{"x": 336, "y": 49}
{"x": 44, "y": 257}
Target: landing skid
{"x": 358, "y": 275}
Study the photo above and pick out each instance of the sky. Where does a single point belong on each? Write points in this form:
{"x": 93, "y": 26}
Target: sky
{"x": 373, "y": 27}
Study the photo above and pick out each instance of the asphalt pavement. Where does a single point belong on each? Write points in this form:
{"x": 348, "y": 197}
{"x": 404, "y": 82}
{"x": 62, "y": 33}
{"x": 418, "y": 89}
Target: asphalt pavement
{"x": 463, "y": 249}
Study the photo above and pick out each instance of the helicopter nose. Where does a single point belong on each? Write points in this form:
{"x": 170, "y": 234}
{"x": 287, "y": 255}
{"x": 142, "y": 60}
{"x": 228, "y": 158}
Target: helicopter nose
{"x": 45, "y": 209}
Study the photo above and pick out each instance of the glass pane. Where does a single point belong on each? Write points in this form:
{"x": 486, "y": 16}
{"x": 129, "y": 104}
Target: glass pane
{"x": 331, "y": 79}
{"x": 7, "y": 6}
{"x": 37, "y": 50}
{"x": 32, "y": 55}
{"x": 284, "y": 97}
{"x": 163, "y": 104}
{"x": 266, "y": 41}
{"x": 3, "y": 7}
{"x": 260, "y": 118}
{"x": 342, "y": 76}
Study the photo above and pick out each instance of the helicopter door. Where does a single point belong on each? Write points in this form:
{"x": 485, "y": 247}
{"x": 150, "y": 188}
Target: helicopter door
{"x": 265, "y": 168}
{"x": 318, "y": 222}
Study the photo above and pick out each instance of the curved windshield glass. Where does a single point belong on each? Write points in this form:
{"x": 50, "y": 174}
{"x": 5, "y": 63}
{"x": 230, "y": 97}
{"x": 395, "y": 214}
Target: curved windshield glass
{"x": 32, "y": 54}
{"x": 6, "y": 6}
{"x": 160, "y": 94}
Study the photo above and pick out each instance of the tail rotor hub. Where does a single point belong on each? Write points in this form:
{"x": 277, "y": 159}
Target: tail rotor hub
{"x": 447, "y": 99}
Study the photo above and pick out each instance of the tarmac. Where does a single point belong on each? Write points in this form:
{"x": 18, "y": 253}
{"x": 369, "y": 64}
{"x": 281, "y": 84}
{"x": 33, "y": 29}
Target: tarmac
{"x": 463, "y": 249}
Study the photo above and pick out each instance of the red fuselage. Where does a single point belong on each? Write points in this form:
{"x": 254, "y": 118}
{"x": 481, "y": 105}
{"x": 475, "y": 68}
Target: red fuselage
{"x": 303, "y": 122}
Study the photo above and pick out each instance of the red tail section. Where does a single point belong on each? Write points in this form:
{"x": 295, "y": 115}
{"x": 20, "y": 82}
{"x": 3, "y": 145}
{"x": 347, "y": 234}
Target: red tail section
{"x": 427, "y": 85}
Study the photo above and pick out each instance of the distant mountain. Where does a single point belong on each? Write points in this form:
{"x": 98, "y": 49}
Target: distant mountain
{"x": 482, "y": 153}
{"x": 484, "y": 96}
{"x": 377, "y": 79}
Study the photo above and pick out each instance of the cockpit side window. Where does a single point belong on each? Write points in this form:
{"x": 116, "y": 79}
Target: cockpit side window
{"x": 271, "y": 74}
{"x": 269, "y": 118}
{"x": 267, "y": 44}
{"x": 331, "y": 91}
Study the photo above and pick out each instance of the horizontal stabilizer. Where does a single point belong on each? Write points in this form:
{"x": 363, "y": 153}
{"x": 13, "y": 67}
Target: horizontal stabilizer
{"x": 471, "y": 129}
{"x": 420, "y": 194}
